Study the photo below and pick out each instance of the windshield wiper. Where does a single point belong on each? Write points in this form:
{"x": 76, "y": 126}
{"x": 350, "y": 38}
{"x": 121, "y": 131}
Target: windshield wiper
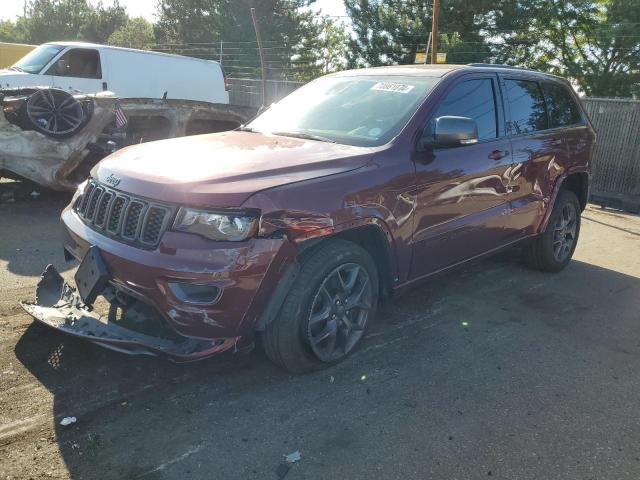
{"x": 242, "y": 128}
{"x": 17, "y": 69}
{"x": 306, "y": 136}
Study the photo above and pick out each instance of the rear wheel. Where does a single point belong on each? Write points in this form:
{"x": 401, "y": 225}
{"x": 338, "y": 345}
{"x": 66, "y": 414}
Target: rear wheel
{"x": 552, "y": 250}
{"x": 327, "y": 310}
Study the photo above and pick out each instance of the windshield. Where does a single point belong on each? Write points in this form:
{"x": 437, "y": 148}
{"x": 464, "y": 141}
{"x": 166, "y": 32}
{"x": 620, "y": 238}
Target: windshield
{"x": 35, "y": 60}
{"x": 365, "y": 111}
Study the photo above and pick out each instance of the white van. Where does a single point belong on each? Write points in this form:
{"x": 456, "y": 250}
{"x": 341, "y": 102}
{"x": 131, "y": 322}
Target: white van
{"x": 129, "y": 73}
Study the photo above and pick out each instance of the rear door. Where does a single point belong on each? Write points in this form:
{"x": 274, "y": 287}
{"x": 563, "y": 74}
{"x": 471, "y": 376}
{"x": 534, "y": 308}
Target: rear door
{"x": 539, "y": 152}
{"x": 78, "y": 70}
{"x": 566, "y": 115}
{"x": 463, "y": 192}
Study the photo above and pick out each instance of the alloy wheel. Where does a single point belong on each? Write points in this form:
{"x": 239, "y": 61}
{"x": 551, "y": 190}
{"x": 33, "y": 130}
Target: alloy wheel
{"x": 339, "y": 312}
{"x": 564, "y": 232}
{"x": 54, "y": 111}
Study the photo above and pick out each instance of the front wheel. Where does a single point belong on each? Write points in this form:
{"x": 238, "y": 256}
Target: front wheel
{"x": 327, "y": 310}
{"x": 552, "y": 250}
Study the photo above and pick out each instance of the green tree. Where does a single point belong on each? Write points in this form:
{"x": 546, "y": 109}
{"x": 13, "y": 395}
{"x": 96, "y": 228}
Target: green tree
{"x": 323, "y": 49}
{"x": 14, "y": 32}
{"x": 593, "y": 42}
{"x": 103, "y": 22}
{"x": 50, "y": 20}
{"x": 136, "y": 33}
{"x": 196, "y": 27}
{"x": 392, "y": 31}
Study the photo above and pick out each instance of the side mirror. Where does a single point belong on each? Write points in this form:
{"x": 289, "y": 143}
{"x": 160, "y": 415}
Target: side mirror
{"x": 450, "y": 131}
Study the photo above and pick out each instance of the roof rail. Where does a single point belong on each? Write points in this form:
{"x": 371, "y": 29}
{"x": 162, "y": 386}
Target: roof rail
{"x": 498, "y": 65}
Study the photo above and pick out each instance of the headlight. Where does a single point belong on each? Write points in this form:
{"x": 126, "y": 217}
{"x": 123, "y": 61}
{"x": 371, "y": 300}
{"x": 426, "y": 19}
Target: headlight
{"x": 230, "y": 227}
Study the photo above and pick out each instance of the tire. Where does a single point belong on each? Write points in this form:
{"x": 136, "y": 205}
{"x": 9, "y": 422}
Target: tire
{"x": 542, "y": 253}
{"x": 317, "y": 326}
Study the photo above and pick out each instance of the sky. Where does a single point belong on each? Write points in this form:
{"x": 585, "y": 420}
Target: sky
{"x": 10, "y": 9}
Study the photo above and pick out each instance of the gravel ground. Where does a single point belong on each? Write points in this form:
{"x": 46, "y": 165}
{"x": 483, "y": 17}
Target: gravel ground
{"x": 490, "y": 371}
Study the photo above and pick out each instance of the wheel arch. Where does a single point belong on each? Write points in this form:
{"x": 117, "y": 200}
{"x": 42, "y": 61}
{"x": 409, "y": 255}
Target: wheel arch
{"x": 370, "y": 234}
{"x": 576, "y": 181}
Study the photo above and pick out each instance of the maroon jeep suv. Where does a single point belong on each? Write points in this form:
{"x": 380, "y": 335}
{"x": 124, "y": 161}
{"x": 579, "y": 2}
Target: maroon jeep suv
{"x": 292, "y": 228}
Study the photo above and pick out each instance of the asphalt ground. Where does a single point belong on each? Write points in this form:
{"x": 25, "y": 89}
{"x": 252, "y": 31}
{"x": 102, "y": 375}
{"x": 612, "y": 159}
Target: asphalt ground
{"x": 491, "y": 371}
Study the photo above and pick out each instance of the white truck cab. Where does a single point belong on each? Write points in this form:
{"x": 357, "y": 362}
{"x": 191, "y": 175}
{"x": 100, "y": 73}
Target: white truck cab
{"x": 129, "y": 73}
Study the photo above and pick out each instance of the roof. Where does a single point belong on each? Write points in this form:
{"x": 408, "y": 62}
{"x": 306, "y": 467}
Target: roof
{"x": 111, "y": 47}
{"x": 438, "y": 70}
{"x": 417, "y": 70}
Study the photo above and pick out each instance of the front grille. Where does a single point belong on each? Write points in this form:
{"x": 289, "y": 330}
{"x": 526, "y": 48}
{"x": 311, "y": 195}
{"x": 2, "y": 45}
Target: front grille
{"x": 121, "y": 216}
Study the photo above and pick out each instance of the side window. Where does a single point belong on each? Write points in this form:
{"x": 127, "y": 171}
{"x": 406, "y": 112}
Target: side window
{"x": 79, "y": 63}
{"x": 527, "y": 107}
{"x": 473, "y": 99}
{"x": 561, "y": 106}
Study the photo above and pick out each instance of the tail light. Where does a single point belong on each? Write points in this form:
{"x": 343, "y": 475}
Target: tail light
{"x": 227, "y": 85}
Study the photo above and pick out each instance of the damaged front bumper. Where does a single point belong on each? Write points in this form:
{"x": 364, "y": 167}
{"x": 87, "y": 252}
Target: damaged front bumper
{"x": 58, "y": 305}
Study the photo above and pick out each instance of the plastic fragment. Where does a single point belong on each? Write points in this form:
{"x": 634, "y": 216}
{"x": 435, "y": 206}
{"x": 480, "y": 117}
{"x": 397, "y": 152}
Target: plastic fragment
{"x": 66, "y": 421}
{"x": 293, "y": 457}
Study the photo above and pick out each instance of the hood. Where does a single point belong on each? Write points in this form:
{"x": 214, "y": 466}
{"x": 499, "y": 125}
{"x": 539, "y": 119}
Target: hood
{"x": 222, "y": 169}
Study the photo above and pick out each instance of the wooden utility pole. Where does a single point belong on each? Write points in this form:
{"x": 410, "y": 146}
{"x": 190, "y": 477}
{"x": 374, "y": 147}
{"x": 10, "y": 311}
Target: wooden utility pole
{"x": 434, "y": 30}
{"x": 256, "y": 27}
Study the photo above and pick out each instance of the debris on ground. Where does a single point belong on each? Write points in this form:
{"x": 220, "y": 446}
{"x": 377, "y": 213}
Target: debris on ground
{"x": 332, "y": 379}
{"x": 293, "y": 457}
{"x": 66, "y": 421}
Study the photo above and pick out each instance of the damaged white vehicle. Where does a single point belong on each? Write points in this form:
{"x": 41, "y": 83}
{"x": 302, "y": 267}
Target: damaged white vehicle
{"x": 54, "y": 138}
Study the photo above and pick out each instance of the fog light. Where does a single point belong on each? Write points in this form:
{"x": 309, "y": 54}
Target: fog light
{"x": 195, "y": 292}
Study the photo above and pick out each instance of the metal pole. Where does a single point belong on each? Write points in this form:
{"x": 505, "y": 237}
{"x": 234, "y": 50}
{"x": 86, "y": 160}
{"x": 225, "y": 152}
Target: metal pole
{"x": 220, "y": 52}
{"x": 434, "y": 30}
{"x": 256, "y": 27}
{"x": 426, "y": 51}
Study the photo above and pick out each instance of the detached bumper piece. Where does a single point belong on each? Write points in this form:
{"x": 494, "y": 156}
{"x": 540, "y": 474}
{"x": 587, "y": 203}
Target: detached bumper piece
{"x": 58, "y": 305}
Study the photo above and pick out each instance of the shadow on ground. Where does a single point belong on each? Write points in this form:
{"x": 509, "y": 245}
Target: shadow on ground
{"x": 490, "y": 371}
{"x": 28, "y": 208}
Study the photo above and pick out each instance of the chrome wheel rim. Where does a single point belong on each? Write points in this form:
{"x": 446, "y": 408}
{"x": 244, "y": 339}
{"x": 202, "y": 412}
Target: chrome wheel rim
{"x": 564, "y": 232}
{"x": 339, "y": 312}
{"x": 55, "y": 111}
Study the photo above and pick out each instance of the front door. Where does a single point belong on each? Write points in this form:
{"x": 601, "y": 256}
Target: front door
{"x": 78, "y": 70}
{"x": 463, "y": 192}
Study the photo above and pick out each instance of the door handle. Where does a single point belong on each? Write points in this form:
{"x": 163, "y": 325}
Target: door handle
{"x": 556, "y": 142}
{"x": 498, "y": 154}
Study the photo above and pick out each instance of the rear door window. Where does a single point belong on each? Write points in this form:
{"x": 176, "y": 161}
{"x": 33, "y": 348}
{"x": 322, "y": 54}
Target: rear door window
{"x": 473, "y": 99}
{"x": 562, "y": 108}
{"x": 78, "y": 63}
{"x": 527, "y": 106}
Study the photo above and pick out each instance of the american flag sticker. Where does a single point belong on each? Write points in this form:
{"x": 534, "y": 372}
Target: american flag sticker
{"x": 121, "y": 118}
